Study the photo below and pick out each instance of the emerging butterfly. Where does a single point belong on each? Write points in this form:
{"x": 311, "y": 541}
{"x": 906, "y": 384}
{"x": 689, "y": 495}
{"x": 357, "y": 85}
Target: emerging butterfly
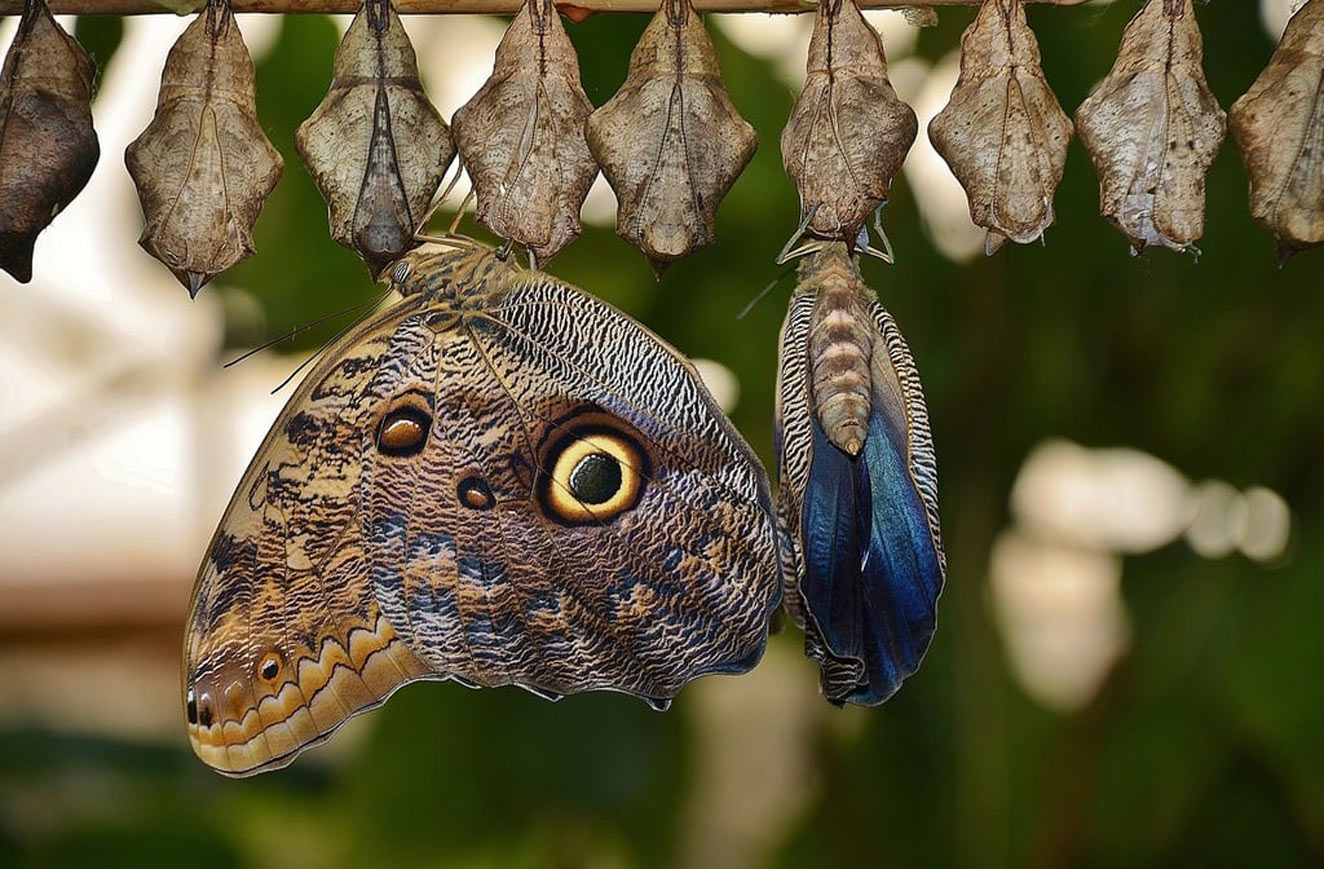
{"x": 498, "y": 480}
{"x": 858, "y": 497}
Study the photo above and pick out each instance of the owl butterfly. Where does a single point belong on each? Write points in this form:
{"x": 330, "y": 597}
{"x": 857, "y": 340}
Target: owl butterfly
{"x": 498, "y": 480}
{"x": 858, "y": 492}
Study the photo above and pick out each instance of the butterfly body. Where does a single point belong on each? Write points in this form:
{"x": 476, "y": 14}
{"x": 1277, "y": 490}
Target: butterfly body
{"x": 840, "y": 344}
{"x": 857, "y": 503}
{"x": 498, "y": 480}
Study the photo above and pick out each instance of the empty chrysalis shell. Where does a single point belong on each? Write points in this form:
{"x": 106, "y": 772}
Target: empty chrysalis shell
{"x": 375, "y": 146}
{"x": 521, "y": 137}
{"x": 203, "y": 166}
{"x": 670, "y": 142}
{"x": 848, "y": 133}
{"x": 1279, "y": 127}
{"x": 1153, "y": 127}
{"x": 1003, "y": 132}
{"x": 48, "y": 148}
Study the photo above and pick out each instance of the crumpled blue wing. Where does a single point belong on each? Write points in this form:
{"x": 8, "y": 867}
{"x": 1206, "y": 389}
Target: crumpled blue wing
{"x": 873, "y": 563}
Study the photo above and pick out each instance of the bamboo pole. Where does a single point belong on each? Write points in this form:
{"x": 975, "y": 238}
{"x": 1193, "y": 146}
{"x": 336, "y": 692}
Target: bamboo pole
{"x": 430, "y": 7}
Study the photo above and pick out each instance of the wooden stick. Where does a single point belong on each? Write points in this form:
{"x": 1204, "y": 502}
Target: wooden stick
{"x": 577, "y": 9}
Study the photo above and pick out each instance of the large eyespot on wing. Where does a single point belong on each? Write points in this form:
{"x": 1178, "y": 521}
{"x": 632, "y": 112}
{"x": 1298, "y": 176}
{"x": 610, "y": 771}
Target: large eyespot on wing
{"x": 589, "y": 519}
{"x": 593, "y": 470}
{"x": 285, "y": 638}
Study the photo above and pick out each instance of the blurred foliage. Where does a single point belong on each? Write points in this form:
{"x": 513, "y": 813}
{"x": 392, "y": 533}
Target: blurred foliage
{"x": 1206, "y": 746}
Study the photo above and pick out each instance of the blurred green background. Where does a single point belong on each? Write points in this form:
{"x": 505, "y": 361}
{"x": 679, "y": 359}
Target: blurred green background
{"x": 1204, "y": 744}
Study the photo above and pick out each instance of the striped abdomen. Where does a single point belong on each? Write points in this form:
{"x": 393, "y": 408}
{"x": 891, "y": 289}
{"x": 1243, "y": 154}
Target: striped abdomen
{"x": 840, "y": 344}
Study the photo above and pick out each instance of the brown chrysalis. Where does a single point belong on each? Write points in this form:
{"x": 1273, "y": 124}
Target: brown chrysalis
{"x": 375, "y": 146}
{"x": 521, "y": 137}
{"x": 1003, "y": 132}
{"x": 1153, "y": 127}
{"x": 848, "y": 133}
{"x": 670, "y": 142}
{"x": 203, "y": 166}
{"x": 1279, "y": 127}
{"x": 48, "y": 148}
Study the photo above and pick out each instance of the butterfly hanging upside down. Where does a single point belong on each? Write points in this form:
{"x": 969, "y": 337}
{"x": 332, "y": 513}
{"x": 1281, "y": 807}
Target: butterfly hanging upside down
{"x": 498, "y": 480}
{"x": 858, "y": 494}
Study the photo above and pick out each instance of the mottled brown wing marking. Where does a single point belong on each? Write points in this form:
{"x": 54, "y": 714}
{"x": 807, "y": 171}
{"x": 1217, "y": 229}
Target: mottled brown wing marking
{"x": 719, "y": 486}
{"x": 543, "y": 523}
{"x": 714, "y": 495}
{"x": 281, "y": 575}
{"x": 605, "y": 641}
{"x": 697, "y": 426}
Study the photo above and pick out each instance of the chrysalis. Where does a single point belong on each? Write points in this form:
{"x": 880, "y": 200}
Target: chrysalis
{"x": 1279, "y": 126}
{"x": 857, "y": 502}
{"x": 670, "y": 142}
{"x": 48, "y": 148}
{"x": 1003, "y": 132}
{"x": 375, "y": 146}
{"x": 1153, "y": 127}
{"x": 203, "y": 166}
{"x": 848, "y": 133}
{"x": 521, "y": 137}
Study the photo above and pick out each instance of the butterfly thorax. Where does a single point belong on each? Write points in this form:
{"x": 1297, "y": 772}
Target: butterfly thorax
{"x": 840, "y": 344}
{"x": 462, "y": 277}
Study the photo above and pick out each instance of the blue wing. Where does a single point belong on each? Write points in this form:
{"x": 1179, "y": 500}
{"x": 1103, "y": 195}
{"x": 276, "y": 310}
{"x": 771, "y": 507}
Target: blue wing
{"x": 873, "y": 564}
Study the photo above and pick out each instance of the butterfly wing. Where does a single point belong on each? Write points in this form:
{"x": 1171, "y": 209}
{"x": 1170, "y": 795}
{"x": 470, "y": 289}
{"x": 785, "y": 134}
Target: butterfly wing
{"x": 861, "y": 548}
{"x": 510, "y": 563}
{"x": 284, "y": 640}
{"x": 535, "y": 492}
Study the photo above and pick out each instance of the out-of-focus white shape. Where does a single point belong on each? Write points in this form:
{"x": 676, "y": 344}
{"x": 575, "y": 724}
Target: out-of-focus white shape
{"x": 1268, "y": 525}
{"x": 1274, "y": 14}
{"x": 780, "y": 39}
{"x": 942, "y": 201}
{"x": 783, "y": 40}
{"x": 1061, "y": 616}
{"x": 755, "y": 769}
{"x": 122, "y": 493}
{"x": 1220, "y": 520}
{"x": 599, "y": 207}
{"x": 260, "y": 33}
{"x": 127, "y": 689}
{"x": 909, "y": 77}
{"x": 721, "y": 382}
{"x": 115, "y": 457}
{"x": 899, "y": 34}
{"x": 1119, "y": 499}
{"x": 455, "y": 56}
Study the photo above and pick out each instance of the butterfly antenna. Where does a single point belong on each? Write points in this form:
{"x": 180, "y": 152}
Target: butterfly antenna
{"x": 333, "y": 339}
{"x": 763, "y": 292}
{"x": 305, "y": 327}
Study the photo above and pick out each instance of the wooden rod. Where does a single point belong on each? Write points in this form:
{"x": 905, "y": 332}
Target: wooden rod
{"x": 578, "y": 8}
